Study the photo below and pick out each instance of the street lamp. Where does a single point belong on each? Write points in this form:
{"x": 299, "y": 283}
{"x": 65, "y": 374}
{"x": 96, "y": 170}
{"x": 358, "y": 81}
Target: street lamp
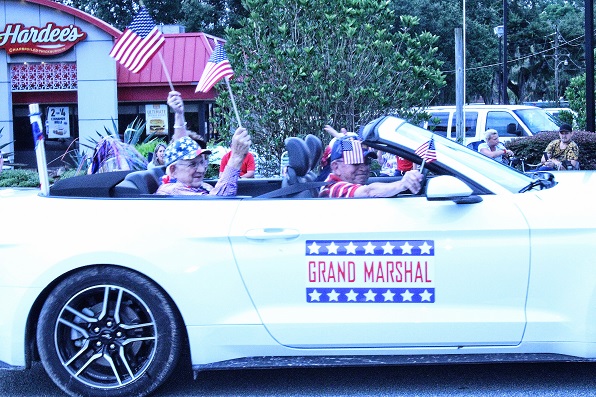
{"x": 557, "y": 64}
{"x": 499, "y": 32}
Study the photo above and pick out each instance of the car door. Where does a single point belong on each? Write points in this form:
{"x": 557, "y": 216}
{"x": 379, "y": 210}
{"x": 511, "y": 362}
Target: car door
{"x": 385, "y": 271}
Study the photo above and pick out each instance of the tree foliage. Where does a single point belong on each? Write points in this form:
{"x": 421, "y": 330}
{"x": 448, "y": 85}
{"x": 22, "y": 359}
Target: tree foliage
{"x": 301, "y": 64}
{"x": 531, "y": 47}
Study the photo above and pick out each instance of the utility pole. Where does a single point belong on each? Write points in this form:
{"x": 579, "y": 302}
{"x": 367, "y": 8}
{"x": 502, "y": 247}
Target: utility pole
{"x": 589, "y": 51}
{"x": 505, "y": 76}
{"x": 557, "y": 64}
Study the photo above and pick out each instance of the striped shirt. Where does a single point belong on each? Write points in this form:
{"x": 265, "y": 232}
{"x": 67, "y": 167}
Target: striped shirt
{"x": 339, "y": 188}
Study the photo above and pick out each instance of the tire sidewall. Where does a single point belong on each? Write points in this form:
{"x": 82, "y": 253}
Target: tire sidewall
{"x": 169, "y": 338}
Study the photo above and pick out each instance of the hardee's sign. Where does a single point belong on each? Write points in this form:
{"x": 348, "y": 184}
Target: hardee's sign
{"x": 49, "y": 40}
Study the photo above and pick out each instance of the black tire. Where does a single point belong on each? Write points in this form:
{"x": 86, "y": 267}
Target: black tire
{"x": 107, "y": 331}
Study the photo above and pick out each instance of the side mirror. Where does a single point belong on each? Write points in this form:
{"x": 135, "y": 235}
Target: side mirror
{"x": 447, "y": 187}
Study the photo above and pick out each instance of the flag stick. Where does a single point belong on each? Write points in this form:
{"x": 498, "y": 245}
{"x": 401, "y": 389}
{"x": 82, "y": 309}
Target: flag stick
{"x": 165, "y": 70}
{"x": 40, "y": 149}
{"x": 233, "y": 101}
{"x": 422, "y": 166}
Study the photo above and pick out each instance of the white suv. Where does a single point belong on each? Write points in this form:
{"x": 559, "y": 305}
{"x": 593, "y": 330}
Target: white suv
{"x": 509, "y": 120}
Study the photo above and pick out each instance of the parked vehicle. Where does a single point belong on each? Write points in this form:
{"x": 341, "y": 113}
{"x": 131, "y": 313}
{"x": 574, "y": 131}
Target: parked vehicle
{"x": 111, "y": 287}
{"x": 509, "y": 120}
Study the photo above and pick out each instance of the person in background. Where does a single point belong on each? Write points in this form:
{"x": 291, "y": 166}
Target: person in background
{"x": 350, "y": 169}
{"x": 247, "y": 169}
{"x": 158, "y": 156}
{"x": 562, "y": 153}
{"x": 493, "y": 148}
{"x": 388, "y": 163}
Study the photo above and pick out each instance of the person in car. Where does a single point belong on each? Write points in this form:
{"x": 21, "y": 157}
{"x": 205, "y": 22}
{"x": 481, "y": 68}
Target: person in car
{"x": 350, "y": 168}
{"x": 562, "y": 153}
{"x": 158, "y": 159}
{"x": 493, "y": 148}
{"x": 186, "y": 165}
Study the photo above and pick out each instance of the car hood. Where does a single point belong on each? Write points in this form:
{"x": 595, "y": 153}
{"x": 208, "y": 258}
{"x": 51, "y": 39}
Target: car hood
{"x": 574, "y": 183}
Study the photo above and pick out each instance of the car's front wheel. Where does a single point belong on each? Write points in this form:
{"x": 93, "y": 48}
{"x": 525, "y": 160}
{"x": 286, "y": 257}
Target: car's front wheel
{"x": 107, "y": 331}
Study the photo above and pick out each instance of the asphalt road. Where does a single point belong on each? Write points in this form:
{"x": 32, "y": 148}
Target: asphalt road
{"x": 547, "y": 379}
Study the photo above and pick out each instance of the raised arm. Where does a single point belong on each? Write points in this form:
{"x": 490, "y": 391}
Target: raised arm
{"x": 177, "y": 105}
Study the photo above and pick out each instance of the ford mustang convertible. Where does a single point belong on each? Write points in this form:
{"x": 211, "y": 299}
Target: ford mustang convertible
{"x": 111, "y": 287}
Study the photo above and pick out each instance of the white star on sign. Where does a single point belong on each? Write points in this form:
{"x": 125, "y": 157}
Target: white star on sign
{"x": 352, "y": 295}
{"x": 388, "y": 295}
{"x": 369, "y": 248}
{"x": 314, "y": 296}
{"x": 370, "y": 296}
{"x": 425, "y": 296}
{"x": 388, "y": 248}
{"x": 406, "y": 248}
{"x": 425, "y": 248}
{"x": 332, "y": 248}
{"x": 407, "y": 296}
{"x": 314, "y": 248}
{"x": 332, "y": 295}
{"x": 351, "y": 248}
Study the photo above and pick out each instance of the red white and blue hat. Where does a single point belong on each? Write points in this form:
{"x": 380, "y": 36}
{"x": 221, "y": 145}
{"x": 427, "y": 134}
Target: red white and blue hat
{"x": 183, "y": 149}
{"x": 350, "y": 150}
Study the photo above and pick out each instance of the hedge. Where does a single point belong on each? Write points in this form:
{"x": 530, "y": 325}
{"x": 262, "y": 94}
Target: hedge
{"x": 532, "y": 147}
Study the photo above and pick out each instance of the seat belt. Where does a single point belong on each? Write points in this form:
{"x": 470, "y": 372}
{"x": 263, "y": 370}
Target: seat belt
{"x": 296, "y": 188}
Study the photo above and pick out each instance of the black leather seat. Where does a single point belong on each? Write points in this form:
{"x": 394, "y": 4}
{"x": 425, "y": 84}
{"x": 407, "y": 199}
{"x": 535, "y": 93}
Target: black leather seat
{"x": 140, "y": 182}
{"x": 315, "y": 147}
{"x": 299, "y": 156}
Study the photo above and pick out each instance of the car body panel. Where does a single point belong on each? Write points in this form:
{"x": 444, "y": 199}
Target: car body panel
{"x": 482, "y": 297}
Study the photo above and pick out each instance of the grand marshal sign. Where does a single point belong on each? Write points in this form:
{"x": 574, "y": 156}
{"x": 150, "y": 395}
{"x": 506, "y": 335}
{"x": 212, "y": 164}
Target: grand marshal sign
{"x": 49, "y": 40}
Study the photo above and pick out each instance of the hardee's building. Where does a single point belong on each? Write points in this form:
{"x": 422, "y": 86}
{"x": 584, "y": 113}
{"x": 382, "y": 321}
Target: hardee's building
{"x": 58, "y": 56}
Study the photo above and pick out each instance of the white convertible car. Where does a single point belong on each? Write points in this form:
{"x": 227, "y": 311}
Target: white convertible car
{"x": 111, "y": 287}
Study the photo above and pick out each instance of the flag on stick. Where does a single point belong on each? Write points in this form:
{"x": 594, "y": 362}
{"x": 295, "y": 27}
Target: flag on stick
{"x": 138, "y": 44}
{"x": 216, "y": 69}
{"x": 426, "y": 151}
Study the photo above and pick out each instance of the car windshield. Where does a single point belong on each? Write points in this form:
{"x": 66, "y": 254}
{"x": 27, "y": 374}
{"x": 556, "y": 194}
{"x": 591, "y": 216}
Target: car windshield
{"x": 464, "y": 160}
{"x": 537, "y": 120}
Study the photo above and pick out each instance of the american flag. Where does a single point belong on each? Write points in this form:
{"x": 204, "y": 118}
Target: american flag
{"x": 216, "y": 69}
{"x": 427, "y": 151}
{"x": 139, "y": 43}
{"x": 352, "y": 151}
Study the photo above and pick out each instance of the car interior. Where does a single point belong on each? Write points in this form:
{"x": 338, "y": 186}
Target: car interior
{"x": 299, "y": 181}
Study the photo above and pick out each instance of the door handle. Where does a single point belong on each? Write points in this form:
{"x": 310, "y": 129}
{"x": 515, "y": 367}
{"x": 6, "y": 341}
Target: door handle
{"x": 272, "y": 233}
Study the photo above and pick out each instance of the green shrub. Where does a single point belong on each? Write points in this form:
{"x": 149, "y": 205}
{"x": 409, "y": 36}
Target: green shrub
{"x": 532, "y": 147}
{"x": 19, "y": 178}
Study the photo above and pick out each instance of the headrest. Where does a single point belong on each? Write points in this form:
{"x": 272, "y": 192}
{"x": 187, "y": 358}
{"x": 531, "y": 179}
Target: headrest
{"x": 316, "y": 149}
{"x": 298, "y": 154}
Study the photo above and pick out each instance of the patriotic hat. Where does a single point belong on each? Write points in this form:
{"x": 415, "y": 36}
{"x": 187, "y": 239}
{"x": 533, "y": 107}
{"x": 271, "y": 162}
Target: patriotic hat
{"x": 183, "y": 149}
{"x": 350, "y": 150}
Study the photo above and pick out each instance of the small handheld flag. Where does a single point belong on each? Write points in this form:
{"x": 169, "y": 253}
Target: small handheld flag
{"x": 427, "y": 152}
{"x": 216, "y": 69}
{"x": 138, "y": 44}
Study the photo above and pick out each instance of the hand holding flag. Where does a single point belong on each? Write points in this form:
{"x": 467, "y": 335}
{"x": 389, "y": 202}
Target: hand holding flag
{"x": 138, "y": 44}
{"x": 216, "y": 69}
